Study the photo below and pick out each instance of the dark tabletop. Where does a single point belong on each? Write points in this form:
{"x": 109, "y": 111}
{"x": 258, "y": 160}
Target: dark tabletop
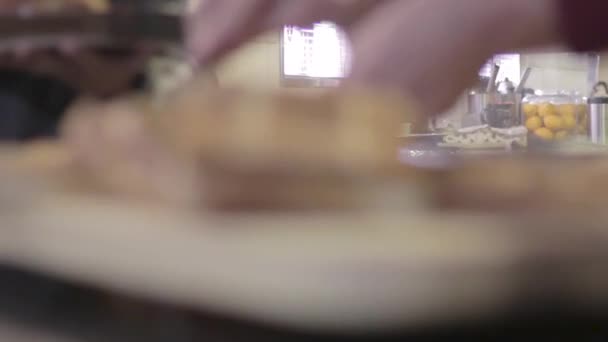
{"x": 32, "y": 305}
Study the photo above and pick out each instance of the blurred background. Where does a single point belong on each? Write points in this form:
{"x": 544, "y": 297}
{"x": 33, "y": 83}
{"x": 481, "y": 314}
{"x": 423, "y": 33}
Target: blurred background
{"x": 255, "y": 199}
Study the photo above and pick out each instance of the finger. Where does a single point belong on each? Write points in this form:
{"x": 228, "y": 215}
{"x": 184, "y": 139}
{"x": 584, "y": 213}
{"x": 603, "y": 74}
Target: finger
{"x": 416, "y": 62}
{"x": 306, "y": 12}
{"x": 209, "y": 40}
{"x": 301, "y": 13}
{"x": 217, "y": 26}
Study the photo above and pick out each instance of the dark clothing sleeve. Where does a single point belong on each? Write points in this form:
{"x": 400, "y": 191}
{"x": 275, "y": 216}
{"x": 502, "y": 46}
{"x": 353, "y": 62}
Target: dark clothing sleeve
{"x": 584, "y": 23}
{"x": 31, "y": 106}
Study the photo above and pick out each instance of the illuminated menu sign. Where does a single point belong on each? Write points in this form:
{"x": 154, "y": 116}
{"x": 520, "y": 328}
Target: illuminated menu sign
{"x": 320, "y": 51}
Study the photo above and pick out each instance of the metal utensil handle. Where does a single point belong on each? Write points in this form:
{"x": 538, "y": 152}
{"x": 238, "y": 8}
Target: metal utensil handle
{"x": 524, "y": 80}
{"x": 493, "y": 77}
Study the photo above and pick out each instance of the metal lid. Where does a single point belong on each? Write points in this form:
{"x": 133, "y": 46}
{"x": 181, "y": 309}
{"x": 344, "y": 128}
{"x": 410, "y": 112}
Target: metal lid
{"x": 594, "y": 99}
{"x": 599, "y": 100}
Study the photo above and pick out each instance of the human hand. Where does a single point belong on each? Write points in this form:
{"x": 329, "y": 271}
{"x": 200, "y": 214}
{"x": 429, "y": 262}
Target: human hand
{"x": 429, "y": 49}
{"x": 211, "y": 34}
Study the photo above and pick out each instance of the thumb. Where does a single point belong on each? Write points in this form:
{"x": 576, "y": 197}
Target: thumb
{"x": 219, "y": 26}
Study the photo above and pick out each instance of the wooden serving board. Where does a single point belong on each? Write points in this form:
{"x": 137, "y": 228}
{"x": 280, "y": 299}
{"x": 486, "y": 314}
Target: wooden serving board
{"x": 322, "y": 272}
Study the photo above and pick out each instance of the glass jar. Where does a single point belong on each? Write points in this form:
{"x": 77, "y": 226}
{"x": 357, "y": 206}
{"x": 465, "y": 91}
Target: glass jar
{"x": 555, "y": 117}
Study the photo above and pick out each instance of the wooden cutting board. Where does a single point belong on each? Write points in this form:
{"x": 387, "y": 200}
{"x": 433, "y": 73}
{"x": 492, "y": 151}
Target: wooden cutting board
{"x": 323, "y": 272}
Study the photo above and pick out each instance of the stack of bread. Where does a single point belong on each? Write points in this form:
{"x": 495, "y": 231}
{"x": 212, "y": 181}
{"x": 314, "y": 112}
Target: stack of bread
{"x": 232, "y": 149}
{"x": 236, "y": 149}
{"x": 551, "y": 185}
